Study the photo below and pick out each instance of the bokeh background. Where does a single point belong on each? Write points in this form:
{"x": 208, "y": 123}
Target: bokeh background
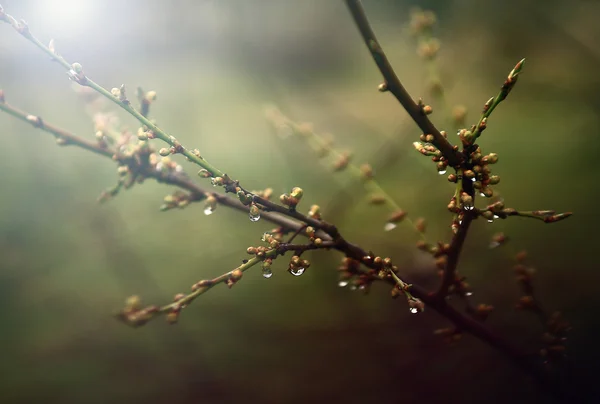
{"x": 67, "y": 263}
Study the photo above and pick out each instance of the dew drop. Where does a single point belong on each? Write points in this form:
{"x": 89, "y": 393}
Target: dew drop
{"x": 297, "y": 271}
{"x": 496, "y": 216}
{"x": 482, "y": 194}
{"x": 178, "y": 168}
{"x": 473, "y": 179}
{"x": 159, "y": 166}
{"x": 414, "y": 310}
{"x": 254, "y": 213}
{"x": 494, "y": 244}
{"x": 353, "y": 287}
{"x": 442, "y": 172}
{"x": 213, "y": 181}
{"x": 343, "y": 283}
{"x": 208, "y": 211}
{"x": 490, "y": 220}
{"x": 469, "y": 294}
{"x": 267, "y": 273}
{"x": 389, "y": 226}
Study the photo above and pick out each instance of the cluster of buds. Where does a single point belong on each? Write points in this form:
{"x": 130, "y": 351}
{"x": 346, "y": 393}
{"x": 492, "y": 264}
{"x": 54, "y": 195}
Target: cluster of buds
{"x": 438, "y": 250}
{"x": 260, "y": 251}
{"x": 134, "y": 315}
{"x": 461, "y": 287}
{"x": 298, "y": 265}
{"x": 293, "y": 198}
{"x": 480, "y": 171}
{"x": 311, "y": 234}
{"x": 428, "y": 48}
{"x": 524, "y": 275}
{"x": 427, "y": 149}
{"x": 273, "y": 240}
{"x": 421, "y": 21}
{"x": 177, "y": 199}
{"x": 494, "y": 211}
{"x": 348, "y": 270}
{"x": 164, "y": 165}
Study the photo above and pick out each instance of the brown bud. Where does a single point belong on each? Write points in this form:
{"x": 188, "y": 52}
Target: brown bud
{"x": 377, "y": 199}
{"x": 420, "y": 225}
{"x": 397, "y": 216}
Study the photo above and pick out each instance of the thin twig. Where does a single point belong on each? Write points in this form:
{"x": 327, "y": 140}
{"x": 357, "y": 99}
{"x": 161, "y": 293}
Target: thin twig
{"x": 393, "y": 84}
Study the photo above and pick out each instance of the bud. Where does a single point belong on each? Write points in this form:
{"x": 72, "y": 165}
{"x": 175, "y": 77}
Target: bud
{"x": 459, "y": 114}
{"x": 397, "y": 216}
{"x": 315, "y": 212}
{"x": 366, "y": 171}
{"x": 491, "y": 158}
{"x": 420, "y": 225}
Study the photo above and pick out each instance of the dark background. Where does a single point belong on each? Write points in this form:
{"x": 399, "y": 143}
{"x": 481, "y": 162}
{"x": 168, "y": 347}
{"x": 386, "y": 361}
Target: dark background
{"x": 67, "y": 263}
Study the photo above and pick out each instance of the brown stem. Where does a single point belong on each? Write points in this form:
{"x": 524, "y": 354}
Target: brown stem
{"x": 393, "y": 84}
{"x": 456, "y": 245}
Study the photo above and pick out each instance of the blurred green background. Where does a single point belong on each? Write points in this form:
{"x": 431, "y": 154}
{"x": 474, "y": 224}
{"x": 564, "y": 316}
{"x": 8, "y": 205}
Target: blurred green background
{"x": 67, "y": 263}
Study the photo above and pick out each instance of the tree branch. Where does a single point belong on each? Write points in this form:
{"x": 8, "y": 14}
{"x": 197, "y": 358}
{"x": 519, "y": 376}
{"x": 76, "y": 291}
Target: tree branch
{"x": 393, "y": 84}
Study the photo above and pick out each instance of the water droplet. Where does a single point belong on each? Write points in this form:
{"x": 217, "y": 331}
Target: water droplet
{"x": 353, "y": 287}
{"x": 482, "y": 194}
{"x": 178, "y": 168}
{"x": 469, "y": 294}
{"x": 208, "y": 210}
{"x": 494, "y": 244}
{"x": 490, "y": 220}
{"x": 159, "y": 166}
{"x": 213, "y": 181}
{"x": 267, "y": 273}
{"x": 442, "y": 172}
{"x": 254, "y": 213}
{"x": 389, "y": 226}
{"x": 496, "y": 217}
{"x": 414, "y": 310}
{"x": 473, "y": 179}
{"x": 343, "y": 283}
{"x": 297, "y": 271}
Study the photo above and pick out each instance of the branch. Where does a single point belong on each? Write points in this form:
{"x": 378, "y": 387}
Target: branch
{"x": 393, "y": 84}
